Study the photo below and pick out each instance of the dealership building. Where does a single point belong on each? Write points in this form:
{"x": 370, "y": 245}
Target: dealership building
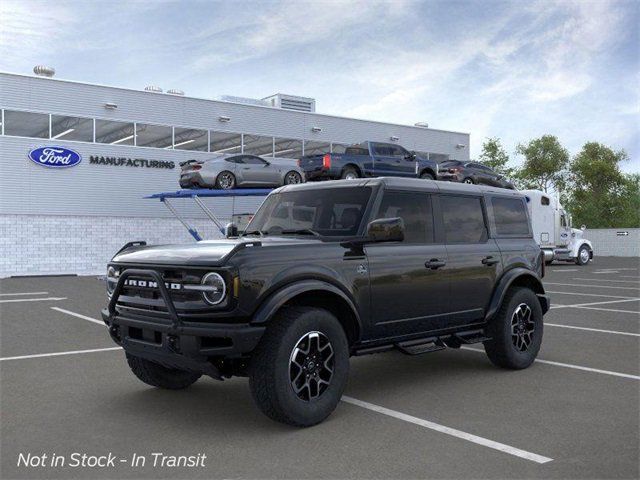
{"x": 129, "y": 144}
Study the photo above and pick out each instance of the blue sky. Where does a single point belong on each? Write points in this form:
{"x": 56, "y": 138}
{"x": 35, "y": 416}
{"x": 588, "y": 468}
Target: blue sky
{"x": 515, "y": 70}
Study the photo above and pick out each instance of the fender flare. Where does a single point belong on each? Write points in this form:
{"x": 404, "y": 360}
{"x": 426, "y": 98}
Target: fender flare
{"x": 274, "y": 301}
{"x": 506, "y": 281}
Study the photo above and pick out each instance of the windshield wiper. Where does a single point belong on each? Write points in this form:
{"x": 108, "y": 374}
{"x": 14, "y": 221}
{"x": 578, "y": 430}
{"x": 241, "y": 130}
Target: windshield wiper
{"x": 302, "y": 231}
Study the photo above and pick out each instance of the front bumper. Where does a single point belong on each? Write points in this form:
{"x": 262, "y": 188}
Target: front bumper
{"x": 172, "y": 342}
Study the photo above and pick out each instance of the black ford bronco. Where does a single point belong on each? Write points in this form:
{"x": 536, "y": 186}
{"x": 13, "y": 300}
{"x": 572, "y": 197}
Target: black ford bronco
{"x": 329, "y": 270}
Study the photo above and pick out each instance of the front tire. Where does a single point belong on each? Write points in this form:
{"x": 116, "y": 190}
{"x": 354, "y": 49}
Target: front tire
{"x": 159, "y": 376}
{"x": 225, "y": 180}
{"x": 300, "y": 367}
{"x": 515, "y": 331}
{"x": 584, "y": 256}
{"x": 427, "y": 176}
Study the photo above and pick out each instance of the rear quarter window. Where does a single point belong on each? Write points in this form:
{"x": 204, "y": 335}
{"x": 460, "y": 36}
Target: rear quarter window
{"x": 510, "y": 217}
{"x": 463, "y": 218}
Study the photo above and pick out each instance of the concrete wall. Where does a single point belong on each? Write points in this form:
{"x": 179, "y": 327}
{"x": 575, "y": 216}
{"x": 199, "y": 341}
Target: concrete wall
{"x": 609, "y": 241}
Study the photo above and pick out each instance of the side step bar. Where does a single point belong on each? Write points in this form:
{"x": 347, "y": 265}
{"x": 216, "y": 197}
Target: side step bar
{"x": 427, "y": 344}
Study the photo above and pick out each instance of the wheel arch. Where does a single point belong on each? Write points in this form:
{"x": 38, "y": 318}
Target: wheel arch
{"x": 516, "y": 277}
{"x": 313, "y": 293}
{"x": 428, "y": 170}
{"x": 355, "y": 167}
{"x": 578, "y": 245}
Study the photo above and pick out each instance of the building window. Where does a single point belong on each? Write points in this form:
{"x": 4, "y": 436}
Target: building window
{"x": 287, "y": 148}
{"x": 190, "y": 139}
{"x": 316, "y": 148}
{"x": 26, "y": 124}
{"x": 226, "y": 143}
{"x": 71, "y": 128}
{"x": 158, "y": 136}
{"x": 258, "y": 145}
{"x": 114, "y": 133}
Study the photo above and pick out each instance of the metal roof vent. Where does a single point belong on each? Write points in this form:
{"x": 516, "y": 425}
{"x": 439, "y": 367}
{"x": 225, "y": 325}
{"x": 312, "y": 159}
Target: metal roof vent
{"x": 175, "y": 91}
{"x": 153, "y": 88}
{"x": 422, "y": 124}
{"x": 292, "y": 102}
{"x": 44, "y": 71}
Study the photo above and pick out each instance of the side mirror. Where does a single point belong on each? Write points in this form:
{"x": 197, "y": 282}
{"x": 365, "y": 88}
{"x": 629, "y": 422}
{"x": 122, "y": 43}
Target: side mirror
{"x": 410, "y": 156}
{"x": 583, "y": 228}
{"x": 231, "y": 230}
{"x": 386, "y": 230}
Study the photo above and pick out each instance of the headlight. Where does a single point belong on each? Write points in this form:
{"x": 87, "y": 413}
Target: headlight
{"x": 216, "y": 288}
{"x": 112, "y": 279}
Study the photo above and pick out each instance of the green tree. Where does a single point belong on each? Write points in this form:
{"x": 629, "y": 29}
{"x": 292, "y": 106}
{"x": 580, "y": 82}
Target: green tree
{"x": 495, "y": 156}
{"x": 545, "y": 164}
{"x": 601, "y": 195}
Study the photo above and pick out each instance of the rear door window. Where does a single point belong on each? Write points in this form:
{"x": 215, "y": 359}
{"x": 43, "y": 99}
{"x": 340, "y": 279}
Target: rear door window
{"x": 463, "y": 219}
{"x": 414, "y": 209}
{"x": 510, "y": 216}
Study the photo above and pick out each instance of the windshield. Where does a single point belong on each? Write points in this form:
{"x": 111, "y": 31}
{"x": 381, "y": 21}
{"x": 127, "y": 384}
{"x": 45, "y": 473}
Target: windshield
{"x": 332, "y": 212}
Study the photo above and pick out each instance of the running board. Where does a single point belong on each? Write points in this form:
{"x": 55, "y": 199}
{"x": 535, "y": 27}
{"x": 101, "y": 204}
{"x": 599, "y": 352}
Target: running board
{"x": 418, "y": 347}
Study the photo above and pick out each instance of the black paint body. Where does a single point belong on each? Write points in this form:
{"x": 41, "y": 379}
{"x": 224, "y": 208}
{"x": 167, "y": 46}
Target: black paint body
{"x": 383, "y": 293}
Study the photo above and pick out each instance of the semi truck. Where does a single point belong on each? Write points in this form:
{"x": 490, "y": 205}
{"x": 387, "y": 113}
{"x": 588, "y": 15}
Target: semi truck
{"x": 552, "y": 230}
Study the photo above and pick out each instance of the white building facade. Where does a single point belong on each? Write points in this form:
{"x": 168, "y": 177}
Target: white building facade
{"x": 130, "y": 143}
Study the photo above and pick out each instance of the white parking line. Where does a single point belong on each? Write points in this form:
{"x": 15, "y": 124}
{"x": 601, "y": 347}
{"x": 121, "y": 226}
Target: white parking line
{"x": 606, "y": 280}
{"x": 596, "y": 303}
{"x": 562, "y": 270}
{"x": 588, "y": 294}
{"x": 629, "y": 276}
{"x": 23, "y": 293}
{"x": 593, "y": 286}
{"x": 485, "y": 442}
{"x": 57, "y": 354}
{"x": 606, "y": 272}
{"x": 546, "y": 324}
{"x": 15, "y": 300}
{"x": 568, "y": 365}
{"x": 84, "y": 317}
{"x": 611, "y": 310}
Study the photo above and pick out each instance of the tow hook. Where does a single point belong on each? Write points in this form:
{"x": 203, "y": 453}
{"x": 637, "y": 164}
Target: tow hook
{"x": 114, "y": 331}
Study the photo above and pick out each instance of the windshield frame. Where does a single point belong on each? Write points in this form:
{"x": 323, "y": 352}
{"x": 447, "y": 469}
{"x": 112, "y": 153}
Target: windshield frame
{"x": 365, "y": 219}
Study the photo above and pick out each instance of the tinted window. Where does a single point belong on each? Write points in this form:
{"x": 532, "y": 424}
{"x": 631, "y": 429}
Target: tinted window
{"x": 382, "y": 149}
{"x": 356, "y": 151}
{"x": 234, "y": 160}
{"x": 414, "y": 209}
{"x": 463, "y": 219}
{"x": 253, "y": 160}
{"x": 510, "y": 216}
{"x": 334, "y": 212}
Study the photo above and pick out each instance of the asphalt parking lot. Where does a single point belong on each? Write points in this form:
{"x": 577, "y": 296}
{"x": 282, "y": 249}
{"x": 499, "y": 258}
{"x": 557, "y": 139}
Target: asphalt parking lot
{"x": 575, "y": 413}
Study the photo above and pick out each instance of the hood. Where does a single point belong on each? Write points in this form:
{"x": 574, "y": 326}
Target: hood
{"x": 207, "y": 252}
{"x": 576, "y": 233}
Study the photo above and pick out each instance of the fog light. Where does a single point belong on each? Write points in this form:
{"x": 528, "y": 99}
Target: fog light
{"x": 216, "y": 288}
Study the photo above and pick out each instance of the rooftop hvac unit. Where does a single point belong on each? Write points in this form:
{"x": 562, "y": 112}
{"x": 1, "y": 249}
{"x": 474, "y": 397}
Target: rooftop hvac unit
{"x": 175, "y": 91}
{"x": 292, "y": 102}
{"x": 153, "y": 88}
{"x": 244, "y": 100}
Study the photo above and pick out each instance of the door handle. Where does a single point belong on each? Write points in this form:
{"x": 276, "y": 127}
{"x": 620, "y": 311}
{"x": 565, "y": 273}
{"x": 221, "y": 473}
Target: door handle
{"x": 434, "y": 264}
{"x": 489, "y": 260}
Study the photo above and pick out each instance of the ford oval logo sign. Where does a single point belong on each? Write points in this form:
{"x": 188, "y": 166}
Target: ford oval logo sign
{"x": 55, "y": 157}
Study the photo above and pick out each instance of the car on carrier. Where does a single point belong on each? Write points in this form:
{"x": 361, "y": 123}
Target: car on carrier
{"x": 329, "y": 270}
{"x": 231, "y": 171}
{"x": 472, "y": 173}
{"x": 368, "y": 159}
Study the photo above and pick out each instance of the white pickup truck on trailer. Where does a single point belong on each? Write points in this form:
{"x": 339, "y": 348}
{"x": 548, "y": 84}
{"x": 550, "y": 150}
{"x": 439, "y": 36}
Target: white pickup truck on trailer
{"x": 552, "y": 230}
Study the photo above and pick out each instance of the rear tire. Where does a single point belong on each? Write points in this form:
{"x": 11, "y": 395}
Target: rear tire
{"x": 303, "y": 395}
{"x": 468, "y": 181}
{"x": 292, "y": 178}
{"x": 584, "y": 256}
{"x": 225, "y": 180}
{"x": 156, "y": 375}
{"x": 349, "y": 173}
{"x": 427, "y": 176}
{"x": 516, "y": 330}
